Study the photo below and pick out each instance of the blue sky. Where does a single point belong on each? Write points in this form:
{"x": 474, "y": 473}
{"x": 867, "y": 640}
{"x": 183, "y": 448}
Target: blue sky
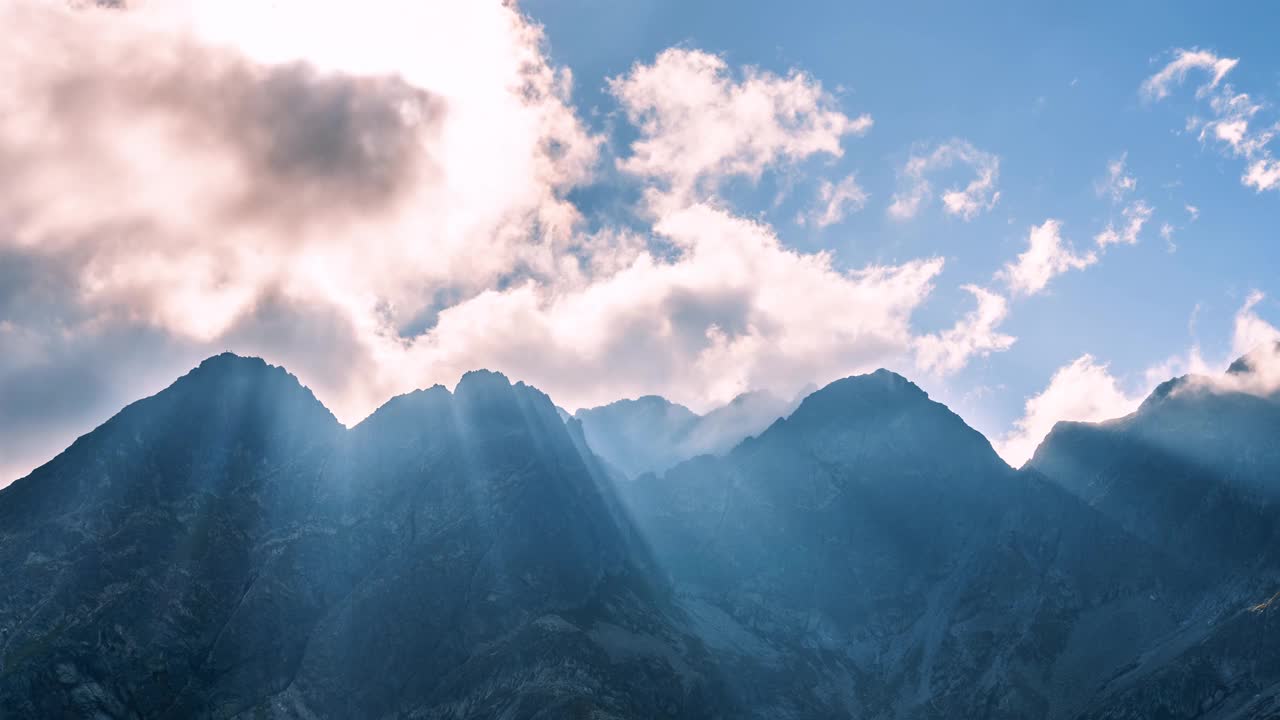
{"x": 1054, "y": 92}
{"x": 614, "y": 199}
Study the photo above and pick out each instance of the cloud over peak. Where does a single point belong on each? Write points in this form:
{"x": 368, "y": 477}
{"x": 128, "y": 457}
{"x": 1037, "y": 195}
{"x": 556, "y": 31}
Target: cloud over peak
{"x": 390, "y": 210}
{"x": 1085, "y": 390}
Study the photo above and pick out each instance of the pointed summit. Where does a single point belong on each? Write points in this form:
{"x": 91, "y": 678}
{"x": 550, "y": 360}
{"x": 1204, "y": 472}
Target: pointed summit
{"x": 881, "y": 415}
{"x": 1261, "y": 358}
{"x": 639, "y": 435}
{"x": 223, "y": 428}
{"x": 875, "y": 393}
{"x": 473, "y": 380}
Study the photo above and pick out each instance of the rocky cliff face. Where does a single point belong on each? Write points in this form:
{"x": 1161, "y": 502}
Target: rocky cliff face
{"x": 1195, "y": 472}
{"x": 226, "y": 549}
{"x": 871, "y": 556}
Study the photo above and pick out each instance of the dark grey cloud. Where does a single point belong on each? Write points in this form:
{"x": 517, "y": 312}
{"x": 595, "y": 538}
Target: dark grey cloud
{"x": 310, "y": 145}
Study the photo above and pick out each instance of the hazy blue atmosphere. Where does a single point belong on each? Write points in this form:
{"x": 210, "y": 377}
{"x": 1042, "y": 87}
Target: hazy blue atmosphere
{"x": 1062, "y": 206}
{"x": 1054, "y": 93}
{"x": 566, "y": 360}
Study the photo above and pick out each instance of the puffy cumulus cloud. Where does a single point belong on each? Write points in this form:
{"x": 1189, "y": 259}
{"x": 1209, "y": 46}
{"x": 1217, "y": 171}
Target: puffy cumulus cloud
{"x": 1233, "y": 115}
{"x": 1118, "y": 182}
{"x": 187, "y": 180}
{"x": 1263, "y": 174}
{"x": 1083, "y": 391}
{"x": 726, "y": 308}
{"x": 699, "y": 124}
{"x": 916, "y": 190}
{"x": 377, "y": 197}
{"x": 188, "y": 177}
{"x": 835, "y": 201}
{"x": 1136, "y": 216}
{"x": 973, "y": 335}
{"x": 1159, "y": 85}
{"x": 1046, "y": 256}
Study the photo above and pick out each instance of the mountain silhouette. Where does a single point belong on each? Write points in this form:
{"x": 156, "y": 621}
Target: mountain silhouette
{"x": 227, "y": 549}
{"x": 651, "y": 433}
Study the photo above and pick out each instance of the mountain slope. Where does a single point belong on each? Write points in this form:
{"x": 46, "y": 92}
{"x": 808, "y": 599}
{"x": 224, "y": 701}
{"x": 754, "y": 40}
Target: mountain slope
{"x": 226, "y": 549}
{"x": 1195, "y": 471}
{"x": 900, "y": 568}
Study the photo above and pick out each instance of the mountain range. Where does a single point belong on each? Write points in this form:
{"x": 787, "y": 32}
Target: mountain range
{"x": 227, "y": 549}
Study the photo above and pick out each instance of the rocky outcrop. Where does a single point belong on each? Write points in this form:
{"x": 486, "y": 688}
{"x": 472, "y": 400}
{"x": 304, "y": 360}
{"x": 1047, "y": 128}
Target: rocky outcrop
{"x": 226, "y": 549}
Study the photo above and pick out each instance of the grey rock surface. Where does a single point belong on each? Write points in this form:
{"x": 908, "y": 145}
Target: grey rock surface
{"x": 226, "y": 549}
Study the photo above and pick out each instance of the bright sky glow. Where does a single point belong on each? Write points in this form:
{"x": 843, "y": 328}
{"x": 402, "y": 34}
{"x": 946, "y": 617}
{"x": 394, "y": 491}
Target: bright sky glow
{"x": 1036, "y": 218}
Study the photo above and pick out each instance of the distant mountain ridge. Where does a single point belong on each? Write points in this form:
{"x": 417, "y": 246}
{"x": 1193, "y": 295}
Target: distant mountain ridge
{"x": 226, "y": 549}
{"x": 651, "y": 433}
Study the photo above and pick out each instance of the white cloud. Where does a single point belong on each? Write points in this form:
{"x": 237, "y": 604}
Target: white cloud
{"x": 978, "y": 196}
{"x": 188, "y": 180}
{"x": 1234, "y": 115}
{"x": 1047, "y": 255}
{"x": 1193, "y": 212}
{"x": 1253, "y": 340}
{"x": 1136, "y": 216}
{"x": 973, "y": 335}
{"x": 1082, "y": 391}
{"x": 1086, "y": 391}
{"x": 1117, "y": 185}
{"x": 1263, "y": 174}
{"x": 389, "y": 211}
{"x": 1118, "y": 182}
{"x": 1166, "y": 232}
{"x": 1250, "y": 331}
{"x": 835, "y": 200}
{"x": 1158, "y": 86}
{"x": 699, "y": 125}
{"x": 732, "y": 310}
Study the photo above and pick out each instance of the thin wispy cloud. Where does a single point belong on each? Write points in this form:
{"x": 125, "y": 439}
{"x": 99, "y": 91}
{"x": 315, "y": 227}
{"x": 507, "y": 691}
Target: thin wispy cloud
{"x": 835, "y": 201}
{"x": 1159, "y": 85}
{"x": 1135, "y": 216}
{"x": 1118, "y": 183}
{"x": 967, "y": 201}
{"x": 1233, "y": 123}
